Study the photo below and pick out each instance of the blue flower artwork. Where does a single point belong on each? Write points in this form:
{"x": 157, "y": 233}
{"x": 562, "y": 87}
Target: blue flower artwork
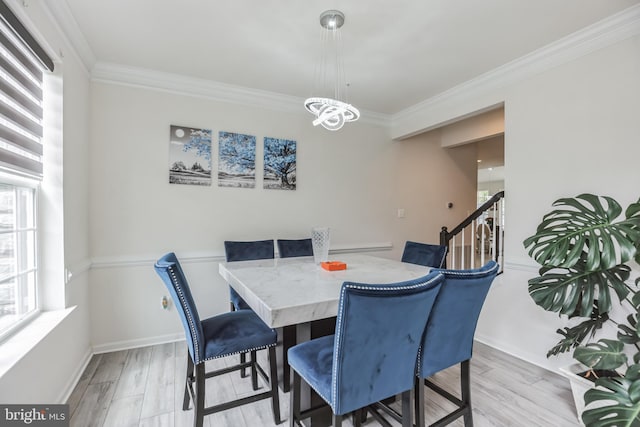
{"x": 189, "y": 155}
{"x": 279, "y": 164}
{"x": 236, "y": 160}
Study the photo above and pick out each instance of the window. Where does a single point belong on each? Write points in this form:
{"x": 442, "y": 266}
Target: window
{"x": 483, "y": 196}
{"x": 17, "y": 254}
{"x": 22, "y": 66}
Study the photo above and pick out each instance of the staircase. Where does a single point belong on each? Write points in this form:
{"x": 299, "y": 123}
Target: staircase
{"x": 479, "y": 238}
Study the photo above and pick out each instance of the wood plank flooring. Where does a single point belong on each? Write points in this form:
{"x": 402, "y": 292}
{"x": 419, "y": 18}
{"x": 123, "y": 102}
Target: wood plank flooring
{"x": 145, "y": 386}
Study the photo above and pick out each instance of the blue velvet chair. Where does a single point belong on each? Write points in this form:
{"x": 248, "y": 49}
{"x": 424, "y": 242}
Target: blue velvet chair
{"x": 246, "y": 251}
{"x": 218, "y": 336}
{"x": 448, "y": 339}
{"x": 294, "y": 248}
{"x": 424, "y": 254}
{"x": 372, "y": 355}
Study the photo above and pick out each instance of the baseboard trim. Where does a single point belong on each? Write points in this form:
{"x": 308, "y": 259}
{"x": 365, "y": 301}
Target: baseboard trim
{"x": 107, "y": 348}
{"x": 510, "y": 351}
{"x": 136, "y": 343}
{"x": 75, "y": 379}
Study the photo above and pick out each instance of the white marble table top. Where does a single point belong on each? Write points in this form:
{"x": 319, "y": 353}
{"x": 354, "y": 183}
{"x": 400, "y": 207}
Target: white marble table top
{"x": 289, "y": 291}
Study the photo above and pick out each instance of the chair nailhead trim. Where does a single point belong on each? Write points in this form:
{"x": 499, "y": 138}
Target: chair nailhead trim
{"x": 471, "y": 273}
{"x": 185, "y": 307}
{"x": 334, "y": 374}
{"x": 239, "y": 352}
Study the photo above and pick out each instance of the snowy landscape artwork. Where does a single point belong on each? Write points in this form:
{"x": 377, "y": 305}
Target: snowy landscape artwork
{"x": 236, "y": 160}
{"x": 189, "y": 156}
{"x": 279, "y": 164}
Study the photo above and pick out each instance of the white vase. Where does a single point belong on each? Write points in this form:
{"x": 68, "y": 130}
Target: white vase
{"x": 320, "y": 242}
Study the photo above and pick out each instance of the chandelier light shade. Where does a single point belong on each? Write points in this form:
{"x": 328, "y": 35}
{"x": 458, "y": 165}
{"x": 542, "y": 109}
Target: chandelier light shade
{"x": 331, "y": 109}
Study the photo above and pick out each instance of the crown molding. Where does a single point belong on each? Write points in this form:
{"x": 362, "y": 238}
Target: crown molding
{"x": 68, "y": 27}
{"x": 608, "y": 31}
{"x": 106, "y": 72}
{"x": 613, "y": 29}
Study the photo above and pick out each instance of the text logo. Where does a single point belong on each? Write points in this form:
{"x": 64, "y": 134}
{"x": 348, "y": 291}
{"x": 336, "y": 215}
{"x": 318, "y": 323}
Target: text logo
{"x": 34, "y": 415}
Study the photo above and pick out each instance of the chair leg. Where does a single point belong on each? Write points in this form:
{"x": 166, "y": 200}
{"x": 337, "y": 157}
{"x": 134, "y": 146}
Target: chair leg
{"x": 465, "y": 386}
{"x": 337, "y": 420}
{"x": 358, "y": 417}
{"x": 294, "y": 396}
{"x": 243, "y": 359}
{"x": 188, "y": 382}
{"x": 198, "y": 413}
{"x": 419, "y": 402}
{"x": 406, "y": 409}
{"x": 254, "y": 371}
{"x": 273, "y": 380}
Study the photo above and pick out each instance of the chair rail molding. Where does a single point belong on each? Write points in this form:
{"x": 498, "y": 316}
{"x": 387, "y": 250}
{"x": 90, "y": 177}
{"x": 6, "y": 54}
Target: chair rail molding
{"x": 76, "y": 269}
{"x": 204, "y": 257}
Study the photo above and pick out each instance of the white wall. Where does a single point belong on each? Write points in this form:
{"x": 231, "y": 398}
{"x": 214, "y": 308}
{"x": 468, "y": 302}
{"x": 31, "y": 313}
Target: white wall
{"x": 569, "y": 130}
{"x": 570, "y": 127}
{"x": 352, "y": 181}
{"x": 47, "y": 373}
{"x": 427, "y": 178}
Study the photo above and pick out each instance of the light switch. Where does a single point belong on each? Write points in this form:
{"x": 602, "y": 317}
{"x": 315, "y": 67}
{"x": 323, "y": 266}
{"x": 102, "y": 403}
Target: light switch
{"x": 400, "y": 213}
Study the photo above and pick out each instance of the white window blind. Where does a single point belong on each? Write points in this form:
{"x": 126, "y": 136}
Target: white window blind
{"x": 22, "y": 63}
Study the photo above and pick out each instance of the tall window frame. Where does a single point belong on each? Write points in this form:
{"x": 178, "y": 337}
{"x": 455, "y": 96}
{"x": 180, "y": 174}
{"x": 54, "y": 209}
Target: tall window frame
{"x": 23, "y": 63}
{"x": 18, "y": 252}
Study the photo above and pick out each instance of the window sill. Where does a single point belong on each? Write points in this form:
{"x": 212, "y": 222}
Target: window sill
{"x": 18, "y": 345}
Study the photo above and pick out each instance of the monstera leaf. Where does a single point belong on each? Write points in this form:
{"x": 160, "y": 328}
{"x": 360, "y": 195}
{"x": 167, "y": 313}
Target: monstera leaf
{"x": 604, "y": 354}
{"x": 586, "y": 224}
{"x": 633, "y": 211}
{"x": 575, "y": 289}
{"x": 623, "y": 397}
{"x": 573, "y": 337}
{"x": 628, "y": 334}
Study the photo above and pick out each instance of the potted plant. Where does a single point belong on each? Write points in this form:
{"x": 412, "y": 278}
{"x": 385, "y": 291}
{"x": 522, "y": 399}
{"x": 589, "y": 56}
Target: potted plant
{"x": 586, "y": 247}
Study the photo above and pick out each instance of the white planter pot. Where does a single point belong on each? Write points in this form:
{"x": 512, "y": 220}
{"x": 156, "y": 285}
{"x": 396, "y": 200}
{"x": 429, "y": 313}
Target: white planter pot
{"x": 579, "y": 387}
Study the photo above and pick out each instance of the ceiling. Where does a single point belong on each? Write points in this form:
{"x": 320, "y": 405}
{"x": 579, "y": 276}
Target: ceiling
{"x": 490, "y": 152}
{"x": 396, "y": 53}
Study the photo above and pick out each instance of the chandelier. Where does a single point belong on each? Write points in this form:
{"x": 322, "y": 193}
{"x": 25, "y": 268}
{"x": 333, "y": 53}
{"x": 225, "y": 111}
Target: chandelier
{"x": 330, "y": 111}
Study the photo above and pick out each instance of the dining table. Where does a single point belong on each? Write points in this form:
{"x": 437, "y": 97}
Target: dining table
{"x": 299, "y": 298}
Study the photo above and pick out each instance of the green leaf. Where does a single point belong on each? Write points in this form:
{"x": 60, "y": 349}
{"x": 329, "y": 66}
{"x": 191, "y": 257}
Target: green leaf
{"x": 633, "y": 372}
{"x": 587, "y": 225}
{"x": 624, "y": 407}
{"x": 633, "y": 211}
{"x": 604, "y": 354}
{"x": 629, "y": 334}
{"x": 566, "y": 291}
{"x": 574, "y": 336}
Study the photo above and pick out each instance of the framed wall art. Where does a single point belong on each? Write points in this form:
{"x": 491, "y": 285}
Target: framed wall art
{"x": 236, "y": 160}
{"x": 279, "y": 164}
{"x": 189, "y": 155}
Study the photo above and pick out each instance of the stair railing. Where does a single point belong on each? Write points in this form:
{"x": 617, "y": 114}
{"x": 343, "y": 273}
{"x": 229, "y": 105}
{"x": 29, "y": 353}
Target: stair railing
{"x": 478, "y": 238}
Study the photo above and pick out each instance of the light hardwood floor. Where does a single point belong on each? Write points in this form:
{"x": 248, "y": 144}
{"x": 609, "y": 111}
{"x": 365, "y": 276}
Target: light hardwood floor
{"x": 145, "y": 386}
